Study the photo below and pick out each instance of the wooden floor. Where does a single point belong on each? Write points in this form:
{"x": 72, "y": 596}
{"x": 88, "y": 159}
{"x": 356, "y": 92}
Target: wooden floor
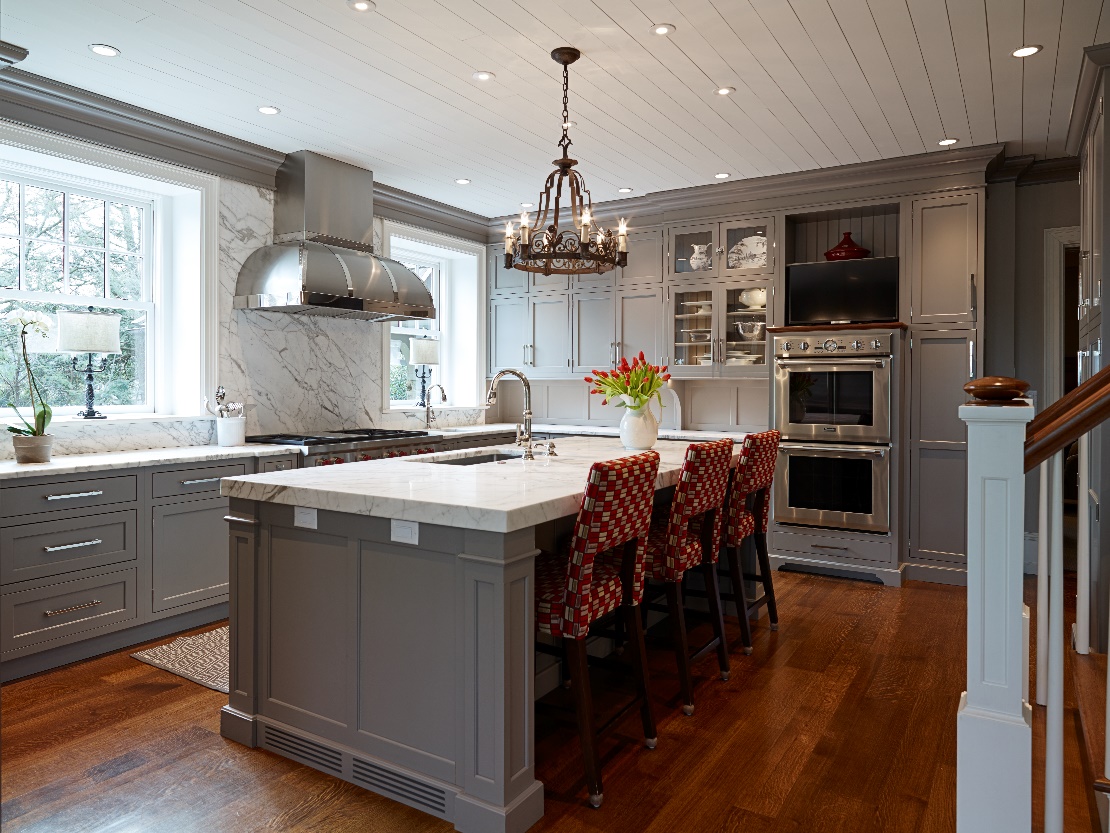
{"x": 844, "y": 720}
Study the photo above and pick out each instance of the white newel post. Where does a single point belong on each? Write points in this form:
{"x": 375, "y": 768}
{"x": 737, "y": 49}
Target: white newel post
{"x": 993, "y": 724}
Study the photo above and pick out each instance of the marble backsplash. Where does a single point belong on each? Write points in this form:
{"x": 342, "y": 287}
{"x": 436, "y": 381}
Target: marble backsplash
{"x": 293, "y": 372}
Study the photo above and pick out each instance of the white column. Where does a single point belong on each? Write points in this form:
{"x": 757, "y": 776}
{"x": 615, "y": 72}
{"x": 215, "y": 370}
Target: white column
{"x": 993, "y": 724}
{"x": 1054, "y": 714}
{"x": 1083, "y": 554}
{"x": 1043, "y": 535}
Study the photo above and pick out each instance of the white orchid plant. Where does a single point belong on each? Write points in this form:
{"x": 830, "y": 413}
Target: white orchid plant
{"x": 36, "y": 325}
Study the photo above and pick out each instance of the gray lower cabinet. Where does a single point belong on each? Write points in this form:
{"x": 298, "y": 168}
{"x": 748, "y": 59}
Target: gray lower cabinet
{"x": 189, "y": 553}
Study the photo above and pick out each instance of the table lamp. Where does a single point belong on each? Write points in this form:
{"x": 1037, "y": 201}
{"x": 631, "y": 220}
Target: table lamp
{"x": 88, "y": 332}
{"x": 423, "y": 352}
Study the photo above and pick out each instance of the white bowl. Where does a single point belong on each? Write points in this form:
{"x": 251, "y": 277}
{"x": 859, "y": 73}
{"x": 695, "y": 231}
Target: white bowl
{"x": 754, "y": 297}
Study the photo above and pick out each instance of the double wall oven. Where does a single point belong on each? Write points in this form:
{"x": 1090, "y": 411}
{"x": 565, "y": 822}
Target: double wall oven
{"x": 834, "y": 402}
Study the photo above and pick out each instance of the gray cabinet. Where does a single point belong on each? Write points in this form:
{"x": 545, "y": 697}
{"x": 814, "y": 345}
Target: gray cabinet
{"x": 941, "y": 362}
{"x": 645, "y": 259}
{"x": 502, "y": 280}
{"x": 946, "y": 260}
{"x": 639, "y": 323}
{"x": 592, "y": 330}
{"x": 189, "y": 552}
{"x": 738, "y": 247}
{"x": 548, "y": 334}
{"x": 508, "y": 332}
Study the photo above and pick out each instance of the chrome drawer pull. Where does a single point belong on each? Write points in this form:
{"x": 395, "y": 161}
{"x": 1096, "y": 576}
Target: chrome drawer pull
{"x": 201, "y": 480}
{"x": 237, "y": 520}
{"x": 93, "y": 603}
{"x": 828, "y": 547}
{"x": 91, "y": 543}
{"x": 75, "y": 494}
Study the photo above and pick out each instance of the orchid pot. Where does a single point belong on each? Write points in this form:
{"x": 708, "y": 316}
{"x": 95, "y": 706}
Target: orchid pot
{"x": 30, "y": 441}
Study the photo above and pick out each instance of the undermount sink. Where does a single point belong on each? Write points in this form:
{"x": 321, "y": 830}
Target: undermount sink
{"x": 478, "y": 459}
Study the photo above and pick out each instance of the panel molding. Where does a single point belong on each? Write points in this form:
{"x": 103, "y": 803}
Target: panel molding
{"x": 1095, "y": 59}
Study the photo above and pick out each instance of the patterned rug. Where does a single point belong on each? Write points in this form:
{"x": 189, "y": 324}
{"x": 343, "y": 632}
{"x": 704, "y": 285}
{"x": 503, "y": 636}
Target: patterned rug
{"x": 202, "y": 658}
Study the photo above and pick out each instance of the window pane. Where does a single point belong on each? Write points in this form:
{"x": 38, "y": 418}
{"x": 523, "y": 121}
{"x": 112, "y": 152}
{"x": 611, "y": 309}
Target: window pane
{"x": 9, "y": 207}
{"x": 86, "y": 220}
{"x": 401, "y": 376}
{"x": 125, "y": 227}
{"x": 123, "y": 381}
{"x": 9, "y": 263}
{"x": 125, "y": 280}
{"x": 42, "y": 268}
{"x": 86, "y": 272}
{"x": 42, "y": 216}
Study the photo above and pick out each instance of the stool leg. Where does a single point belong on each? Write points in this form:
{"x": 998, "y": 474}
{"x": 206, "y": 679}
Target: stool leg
{"x": 681, "y": 647}
{"x": 639, "y": 668}
{"x": 768, "y": 584}
{"x": 713, "y": 597}
{"x": 736, "y": 576}
{"x": 584, "y": 705}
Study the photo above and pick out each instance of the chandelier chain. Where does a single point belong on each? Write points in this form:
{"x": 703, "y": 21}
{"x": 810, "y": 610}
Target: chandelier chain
{"x": 565, "y": 142}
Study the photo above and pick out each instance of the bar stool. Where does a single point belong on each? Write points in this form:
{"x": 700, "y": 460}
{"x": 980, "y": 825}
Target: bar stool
{"x": 690, "y": 538}
{"x": 749, "y": 505}
{"x": 587, "y": 581}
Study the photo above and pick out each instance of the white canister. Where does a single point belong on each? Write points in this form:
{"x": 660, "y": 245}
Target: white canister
{"x": 231, "y": 431}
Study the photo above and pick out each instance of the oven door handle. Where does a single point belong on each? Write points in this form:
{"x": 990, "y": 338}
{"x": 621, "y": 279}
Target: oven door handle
{"x": 826, "y": 360}
{"x": 864, "y": 449}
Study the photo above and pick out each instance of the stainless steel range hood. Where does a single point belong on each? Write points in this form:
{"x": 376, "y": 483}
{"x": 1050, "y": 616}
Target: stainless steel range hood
{"x": 322, "y": 261}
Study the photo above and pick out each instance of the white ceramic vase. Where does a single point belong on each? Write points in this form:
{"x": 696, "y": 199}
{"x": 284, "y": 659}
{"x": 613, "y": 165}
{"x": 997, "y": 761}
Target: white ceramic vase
{"x": 699, "y": 260}
{"x": 639, "y": 429}
{"x": 231, "y": 431}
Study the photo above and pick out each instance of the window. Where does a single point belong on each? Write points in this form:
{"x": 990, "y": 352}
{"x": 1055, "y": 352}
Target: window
{"x": 404, "y": 383}
{"x": 64, "y": 248}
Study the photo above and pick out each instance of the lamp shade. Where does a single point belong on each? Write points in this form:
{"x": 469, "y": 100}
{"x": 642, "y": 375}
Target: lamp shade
{"x": 88, "y": 332}
{"x": 424, "y": 351}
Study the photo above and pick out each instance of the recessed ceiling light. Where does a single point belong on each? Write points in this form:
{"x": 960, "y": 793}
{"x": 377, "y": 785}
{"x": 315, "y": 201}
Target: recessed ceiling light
{"x": 462, "y": 181}
{"x": 721, "y": 176}
{"x": 361, "y": 5}
{"x": 269, "y": 110}
{"x": 526, "y": 205}
{"x": 662, "y": 28}
{"x": 483, "y": 75}
{"x": 946, "y": 142}
{"x": 1026, "y": 51}
{"x": 624, "y": 190}
{"x": 104, "y": 50}
{"x": 726, "y": 90}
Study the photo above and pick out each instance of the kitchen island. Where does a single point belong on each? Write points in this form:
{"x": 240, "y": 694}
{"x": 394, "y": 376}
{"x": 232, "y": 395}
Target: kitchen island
{"x": 382, "y": 620}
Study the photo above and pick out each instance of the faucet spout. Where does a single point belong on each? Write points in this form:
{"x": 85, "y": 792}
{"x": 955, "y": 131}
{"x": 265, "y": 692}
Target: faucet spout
{"x": 429, "y": 414}
{"x": 524, "y": 439}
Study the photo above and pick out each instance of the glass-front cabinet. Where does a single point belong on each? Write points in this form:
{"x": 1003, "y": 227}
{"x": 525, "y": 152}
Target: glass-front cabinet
{"x": 717, "y": 330}
{"x": 738, "y": 248}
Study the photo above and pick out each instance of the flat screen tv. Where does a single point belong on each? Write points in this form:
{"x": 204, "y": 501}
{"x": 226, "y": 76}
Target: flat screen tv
{"x": 842, "y": 292}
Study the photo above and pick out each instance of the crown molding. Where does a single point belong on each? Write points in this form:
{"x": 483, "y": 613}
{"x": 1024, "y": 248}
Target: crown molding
{"x": 415, "y": 210}
{"x": 1095, "y": 59}
{"x": 58, "y": 108}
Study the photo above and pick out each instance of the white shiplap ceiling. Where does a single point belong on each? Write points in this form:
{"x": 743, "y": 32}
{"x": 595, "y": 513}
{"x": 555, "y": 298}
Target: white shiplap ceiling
{"x": 818, "y": 82}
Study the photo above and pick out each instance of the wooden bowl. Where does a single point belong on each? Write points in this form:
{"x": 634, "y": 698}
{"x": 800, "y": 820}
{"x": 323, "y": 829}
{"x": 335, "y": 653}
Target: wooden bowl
{"x": 996, "y": 388}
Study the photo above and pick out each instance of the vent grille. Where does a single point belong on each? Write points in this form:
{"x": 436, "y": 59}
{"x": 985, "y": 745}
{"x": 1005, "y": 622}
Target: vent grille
{"x": 306, "y": 751}
{"x": 402, "y": 787}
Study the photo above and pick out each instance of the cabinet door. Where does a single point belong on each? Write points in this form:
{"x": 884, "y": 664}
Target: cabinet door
{"x": 592, "y": 329}
{"x": 508, "y": 333}
{"x": 639, "y": 314}
{"x": 549, "y": 327}
{"x": 539, "y": 282}
{"x": 692, "y": 252}
{"x": 1093, "y": 294}
{"x": 692, "y": 330}
{"x": 645, "y": 258}
{"x": 742, "y": 316}
{"x": 747, "y": 247}
{"x": 945, "y": 277}
{"x": 941, "y": 361}
{"x": 189, "y": 553}
{"x": 501, "y": 279}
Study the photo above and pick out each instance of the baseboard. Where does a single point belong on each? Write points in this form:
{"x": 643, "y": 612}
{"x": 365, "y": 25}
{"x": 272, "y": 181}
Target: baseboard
{"x": 935, "y": 574}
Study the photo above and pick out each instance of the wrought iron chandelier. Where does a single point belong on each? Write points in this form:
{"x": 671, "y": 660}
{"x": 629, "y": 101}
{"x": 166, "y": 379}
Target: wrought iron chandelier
{"x": 549, "y": 247}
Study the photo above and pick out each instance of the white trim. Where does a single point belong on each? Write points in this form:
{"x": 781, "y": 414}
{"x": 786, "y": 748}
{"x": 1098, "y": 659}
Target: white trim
{"x": 1055, "y": 241}
{"x": 208, "y": 187}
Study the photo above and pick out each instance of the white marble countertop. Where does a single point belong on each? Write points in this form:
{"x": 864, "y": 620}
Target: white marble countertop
{"x": 76, "y": 463}
{"x": 587, "y": 430}
{"x": 496, "y": 496}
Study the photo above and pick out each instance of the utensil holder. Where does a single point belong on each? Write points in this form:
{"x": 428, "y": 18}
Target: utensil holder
{"x": 231, "y": 431}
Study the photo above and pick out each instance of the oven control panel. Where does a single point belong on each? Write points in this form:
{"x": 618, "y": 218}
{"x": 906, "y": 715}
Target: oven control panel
{"x": 824, "y": 344}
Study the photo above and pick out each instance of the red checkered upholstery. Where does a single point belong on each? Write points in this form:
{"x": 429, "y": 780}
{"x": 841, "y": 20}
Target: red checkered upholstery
{"x": 749, "y": 502}
{"x": 674, "y": 546}
{"x": 583, "y": 584}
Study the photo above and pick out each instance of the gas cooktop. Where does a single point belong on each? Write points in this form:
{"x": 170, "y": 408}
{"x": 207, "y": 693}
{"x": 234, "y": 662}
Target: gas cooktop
{"x": 334, "y": 437}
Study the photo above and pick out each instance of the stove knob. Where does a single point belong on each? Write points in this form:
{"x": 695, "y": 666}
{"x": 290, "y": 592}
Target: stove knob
{"x": 831, "y": 346}
{"x": 787, "y": 346}
{"x": 876, "y": 344}
{"x": 803, "y": 345}
{"x": 857, "y": 345}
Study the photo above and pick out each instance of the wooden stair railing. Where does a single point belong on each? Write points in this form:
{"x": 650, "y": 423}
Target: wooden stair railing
{"x": 1066, "y": 419}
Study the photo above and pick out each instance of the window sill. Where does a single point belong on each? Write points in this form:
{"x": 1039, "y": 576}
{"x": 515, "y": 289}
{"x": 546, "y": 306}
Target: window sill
{"x": 69, "y": 419}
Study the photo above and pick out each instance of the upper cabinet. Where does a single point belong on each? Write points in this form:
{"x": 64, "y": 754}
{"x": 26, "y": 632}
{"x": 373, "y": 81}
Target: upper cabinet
{"x": 645, "y": 259}
{"x": 717, "y": 330}
{"x": 735, "y": 248}
{"x": 502, "y": 280}
{"x": 946, "y": 277}
{"x": 1090, "y": 254}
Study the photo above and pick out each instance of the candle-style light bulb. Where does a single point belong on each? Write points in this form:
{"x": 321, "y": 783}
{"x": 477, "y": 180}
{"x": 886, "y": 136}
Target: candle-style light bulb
{"x": 525, "y": 234}
{"x": 508, "y": 234}
{"x": 622, "y": 236}
{"x": 586, "y": 219}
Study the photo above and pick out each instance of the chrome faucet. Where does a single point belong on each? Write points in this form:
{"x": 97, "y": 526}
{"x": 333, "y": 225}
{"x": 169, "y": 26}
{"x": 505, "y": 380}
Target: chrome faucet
{"x": 429, "y": 415}
{"x": 525, "y": 438}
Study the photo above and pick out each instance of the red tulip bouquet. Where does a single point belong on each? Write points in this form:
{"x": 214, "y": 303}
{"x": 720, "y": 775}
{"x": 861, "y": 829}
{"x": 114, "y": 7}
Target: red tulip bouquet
{"x": 630, "y": 385}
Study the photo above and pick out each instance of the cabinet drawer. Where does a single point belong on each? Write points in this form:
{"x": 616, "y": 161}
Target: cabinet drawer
{"x": 194, "y": 481}
{"x": 819, "y": 545}
{"x": 53, "y": 547}
{"x": 277, "y": 464}
{"x": 71, "y": 494}
{"x": 45, "y": 614}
